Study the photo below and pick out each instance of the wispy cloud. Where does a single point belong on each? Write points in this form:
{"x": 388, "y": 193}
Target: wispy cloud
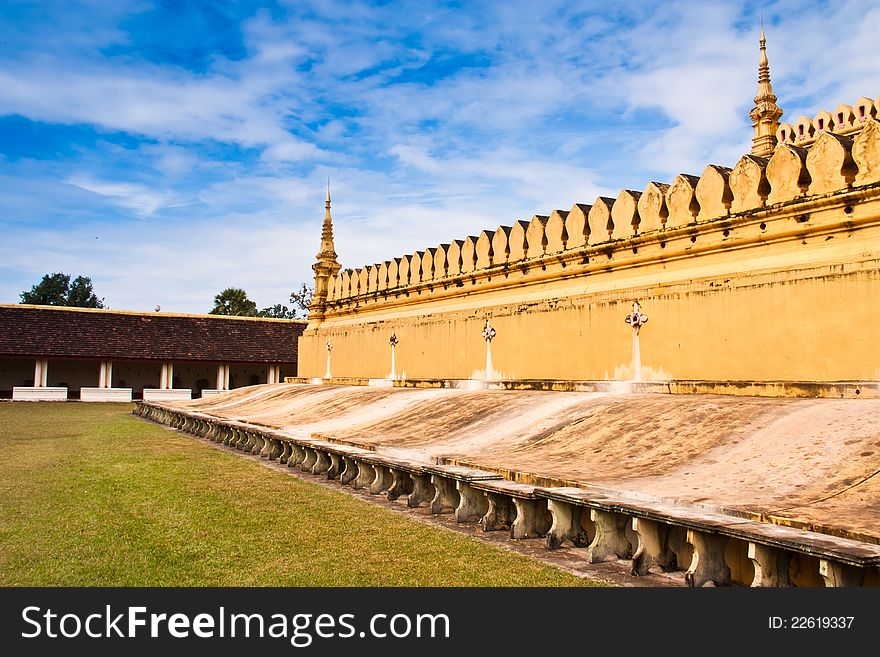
{"x": 190, "y": 146}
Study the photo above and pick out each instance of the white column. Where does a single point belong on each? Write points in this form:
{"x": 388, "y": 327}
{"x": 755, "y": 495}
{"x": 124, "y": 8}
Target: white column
{"x": 166, "y": 381}
{"x": 109, "y": 373}
{"x": 38, "y": 373}
{"x": 102, "y": 375}
{"x": 272, "y": 377}
{"x": 223, "y": 377}
{"x": 43, "y": 368}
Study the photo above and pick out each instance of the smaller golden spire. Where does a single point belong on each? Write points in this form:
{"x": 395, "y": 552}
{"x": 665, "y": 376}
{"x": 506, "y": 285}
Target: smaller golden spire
{"x": 766, "y": 113}
{"x": 327, "y": 252}
{"x": 326, "y": 265}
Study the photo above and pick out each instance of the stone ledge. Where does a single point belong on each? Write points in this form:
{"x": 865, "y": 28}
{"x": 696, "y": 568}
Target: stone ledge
{"x": 800, "y": 389}
{"x": 210, "y": 392}
{"x": 157, "y": 394}
{"x": 30, "y": 393}
{"x": 105, "y": 394}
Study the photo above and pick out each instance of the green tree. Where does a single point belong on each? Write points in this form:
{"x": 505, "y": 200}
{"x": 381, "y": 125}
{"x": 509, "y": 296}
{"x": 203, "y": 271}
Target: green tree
{"x": 234, "y": 301}
{"x": 57, "y": 290}
{"x": 299, "y": 306}
{"x": 278, "y": 311}
{"x": 82, "y": 295}
{"x": 300, "y": 300}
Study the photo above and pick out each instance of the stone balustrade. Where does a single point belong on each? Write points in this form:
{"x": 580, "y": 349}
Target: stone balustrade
{"x": 841, "y": 157}
{"x": 845, "y": 120}
{"x": 711, "y": 548}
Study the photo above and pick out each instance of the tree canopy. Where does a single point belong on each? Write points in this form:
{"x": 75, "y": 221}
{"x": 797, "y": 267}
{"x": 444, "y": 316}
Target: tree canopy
{"x": 235, "y": 301}
{"x": 58, "y": 290}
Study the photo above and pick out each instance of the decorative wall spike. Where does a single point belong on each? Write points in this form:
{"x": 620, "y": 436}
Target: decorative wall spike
{"x": 652, "y": 207}
{"x": 804, "y": 130}
{"x": 536, "y": 238}
{"x": 823, "y": 122}
{"x": 403, "y": 270}
{"x": 787, "y": 173}
{"x": 331, "y": 288}
{"x": 577, "y": 226}
{"x": 830, "y": 164}
{"x": 501, "y": 245}
{"x": 440, "y": 270}
{"x": 415, "y": 268}
{"x": 483, "y": 249}
{"x": 681, "y": 201}
{"x": 713, "y": 193}
{"x": 428, "y": 264}
{"x": 866, "y": 153}
{"x": 748, "y": 183}
{"x": 864, "y": 109}
{"x": 453, "y": 258}
{"x": 394, "y": 273}
{"x": 555, "y": 233}
{"x": 601, "y": 223}
{"x": 844, "y": 117}
{"x": 518, "y": 246}
{"x": 625, "y": 213}
{"x": 469, "y": 254}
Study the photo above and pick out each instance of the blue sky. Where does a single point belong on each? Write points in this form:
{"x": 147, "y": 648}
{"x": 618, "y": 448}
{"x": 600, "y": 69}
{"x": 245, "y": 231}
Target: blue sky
{"x": 172, "y": 149}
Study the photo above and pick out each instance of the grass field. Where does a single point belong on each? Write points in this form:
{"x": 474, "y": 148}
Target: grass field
{"x": 92, "y": 496}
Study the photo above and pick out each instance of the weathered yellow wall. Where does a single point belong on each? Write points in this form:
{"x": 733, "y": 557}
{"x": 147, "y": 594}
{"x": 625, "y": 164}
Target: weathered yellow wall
{"x": 815, "y": 329}
{"x": 786, "y": 289}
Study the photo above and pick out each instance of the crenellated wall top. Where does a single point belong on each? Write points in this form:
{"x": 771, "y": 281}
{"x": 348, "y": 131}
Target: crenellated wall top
{"x": 844, "y": 120}
{"x": 841, "y": 154}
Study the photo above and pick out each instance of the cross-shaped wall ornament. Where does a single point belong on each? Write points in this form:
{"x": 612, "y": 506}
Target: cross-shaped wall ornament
{"x": 488, "y": 332}
{"x": 636, "y": 318}
{"x": 393, "y": 340}
{"x": 329, "y": 346}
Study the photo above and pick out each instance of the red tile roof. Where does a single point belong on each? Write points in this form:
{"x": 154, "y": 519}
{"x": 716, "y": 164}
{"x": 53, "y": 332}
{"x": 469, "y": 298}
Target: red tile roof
{"x": 47, "y": 331}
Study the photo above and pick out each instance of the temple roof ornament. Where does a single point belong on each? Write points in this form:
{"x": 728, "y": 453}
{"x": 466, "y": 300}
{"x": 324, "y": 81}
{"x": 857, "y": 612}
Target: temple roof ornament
{"x": 766, "y": 113}
{"x": 326, "y": 265}
{"x": 327, "y": 254}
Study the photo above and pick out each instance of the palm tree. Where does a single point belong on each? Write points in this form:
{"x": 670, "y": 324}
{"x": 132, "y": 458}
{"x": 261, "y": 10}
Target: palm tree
{"x": 234, "y": 301}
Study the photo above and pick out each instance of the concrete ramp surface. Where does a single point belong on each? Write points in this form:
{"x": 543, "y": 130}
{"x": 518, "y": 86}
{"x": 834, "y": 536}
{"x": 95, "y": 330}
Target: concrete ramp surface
{"x": 812, "y": 463}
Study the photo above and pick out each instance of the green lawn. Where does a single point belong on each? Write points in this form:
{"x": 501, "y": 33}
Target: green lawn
{"x": 92, "y": 496}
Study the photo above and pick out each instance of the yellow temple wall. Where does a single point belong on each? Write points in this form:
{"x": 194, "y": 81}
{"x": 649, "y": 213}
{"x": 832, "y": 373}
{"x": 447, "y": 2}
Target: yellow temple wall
{"x": 765, "y": 272}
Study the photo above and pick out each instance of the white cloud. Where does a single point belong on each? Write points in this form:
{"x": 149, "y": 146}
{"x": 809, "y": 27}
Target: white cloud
{"x": 143, "y": 200}
{"x": 563, "y": 102}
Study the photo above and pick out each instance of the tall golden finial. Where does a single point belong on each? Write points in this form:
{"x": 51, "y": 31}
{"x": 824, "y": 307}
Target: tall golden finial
{"x": 766, "y": 113}
{"x": 326, "y": 266}
{"x": 327, "y": 252}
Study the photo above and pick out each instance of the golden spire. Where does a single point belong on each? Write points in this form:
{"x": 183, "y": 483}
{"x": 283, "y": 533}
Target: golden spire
{"x": 327, "y": 252}
{"x": 766, "y": 113}
{"x": 326, "y": 266}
